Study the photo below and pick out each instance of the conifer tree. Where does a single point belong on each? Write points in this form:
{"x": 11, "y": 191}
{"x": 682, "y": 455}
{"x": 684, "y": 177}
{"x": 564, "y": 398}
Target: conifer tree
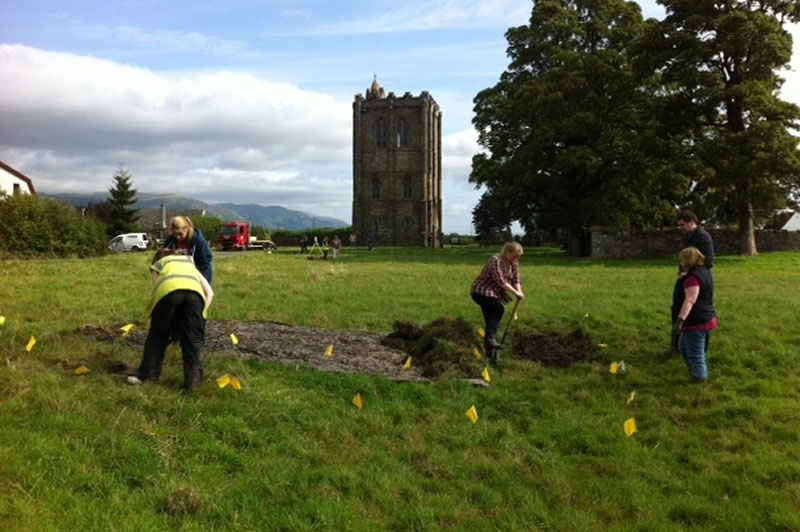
{"x": 124, "y": 217}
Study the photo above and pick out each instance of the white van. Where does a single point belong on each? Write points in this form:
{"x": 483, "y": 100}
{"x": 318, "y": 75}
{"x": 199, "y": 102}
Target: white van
{"x": 129, "y": 242}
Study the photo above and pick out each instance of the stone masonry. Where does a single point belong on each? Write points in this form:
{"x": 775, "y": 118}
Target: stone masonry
{"x": 397, "y": 169}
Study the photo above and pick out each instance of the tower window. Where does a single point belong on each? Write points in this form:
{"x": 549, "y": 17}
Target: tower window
{"x": 407, "y": 188}
{"x": 376, "y": 188}
{"x": 380, "y": 133}
{"x": 402, "y": 133}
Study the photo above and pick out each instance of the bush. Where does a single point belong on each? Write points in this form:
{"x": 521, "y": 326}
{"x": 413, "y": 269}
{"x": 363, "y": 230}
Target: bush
{"x": 31, "y": 226}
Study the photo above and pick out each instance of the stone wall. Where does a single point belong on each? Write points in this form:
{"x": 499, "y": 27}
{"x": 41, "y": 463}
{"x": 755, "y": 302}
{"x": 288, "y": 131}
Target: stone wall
{"x": 611, "y": 243}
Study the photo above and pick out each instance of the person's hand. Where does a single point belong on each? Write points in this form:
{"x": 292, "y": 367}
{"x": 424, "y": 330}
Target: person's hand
{"x": 520, "y": 295}
{"x": 677, "y": 325}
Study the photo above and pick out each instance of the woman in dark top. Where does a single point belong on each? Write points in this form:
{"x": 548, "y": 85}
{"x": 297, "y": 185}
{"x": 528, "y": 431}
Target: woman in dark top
{"x": 693, "y": 313}
{"x": 187, "y": 240}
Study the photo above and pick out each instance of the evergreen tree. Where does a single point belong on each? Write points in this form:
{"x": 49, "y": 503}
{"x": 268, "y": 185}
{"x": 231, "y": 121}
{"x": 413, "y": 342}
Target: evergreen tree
{"x": 123, "y": 217}
{"x": 720, "y": 62}
{"x": 568, "y": 130}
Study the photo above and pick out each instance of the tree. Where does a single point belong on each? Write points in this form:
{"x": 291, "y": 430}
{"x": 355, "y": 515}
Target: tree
{"x": 568, "y": 131}
{"x": 488, "y": 218}
{"x": 719, "y": 64}
{"x": 123, "y": 217}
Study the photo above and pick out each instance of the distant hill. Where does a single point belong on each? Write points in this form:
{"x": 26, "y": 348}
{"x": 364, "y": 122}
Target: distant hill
{"x": 272, "y": 217}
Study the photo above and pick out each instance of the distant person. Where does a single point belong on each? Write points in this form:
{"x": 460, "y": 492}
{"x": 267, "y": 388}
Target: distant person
{"x": 180, "y": 301}
{"x": 303, "y": 244}
{"x": 370, "y": 243}
{"x": 490, "y": 291}
{"x": 352, "y": 240}
{"x": 336, "y": 246}
{"x": 693, "y": 313}
{"x": 187, "y": 240}
{"x": 325, "y": 242}
{"x": 696, "y": 236}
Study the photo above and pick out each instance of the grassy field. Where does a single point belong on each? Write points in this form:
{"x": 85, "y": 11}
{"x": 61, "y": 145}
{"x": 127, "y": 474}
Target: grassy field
{"x": 291, "y": 452}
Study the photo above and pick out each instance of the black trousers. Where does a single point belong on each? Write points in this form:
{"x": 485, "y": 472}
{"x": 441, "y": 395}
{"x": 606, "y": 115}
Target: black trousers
{"x": 180, "y": 311}
{"x": 492, "y": 309}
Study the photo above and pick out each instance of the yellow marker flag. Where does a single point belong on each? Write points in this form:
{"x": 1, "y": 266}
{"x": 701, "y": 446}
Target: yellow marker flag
{"x": 234, "y": 339}
{"x": 2, "y": 320}
{"x": 407, "y": 365}
{"x": 329, "y": 350}
{"x": 472, "y": 414}
{"x": 485, "y": 375}
{"x": 357, "y": 401}
{"x": 481, "y": 333}
{"x": 602, "y": 345}
{"x": 614, "y": 368}
{"x": 476, "y": 353}
{"x": 81, "y": 370}
{"x": 126, "y": 329}
{"x": 632, "y": 398}
{"x": 31, "y": 343}
{"x": 630, "y": 427}
{"x": 224, "y": 381}
{"x": 236, "y": 384}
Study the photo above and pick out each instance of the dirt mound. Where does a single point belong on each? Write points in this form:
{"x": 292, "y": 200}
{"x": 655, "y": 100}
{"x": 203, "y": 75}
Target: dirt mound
{"x": 552, "y": 349}
{"x": 443, "y": 348}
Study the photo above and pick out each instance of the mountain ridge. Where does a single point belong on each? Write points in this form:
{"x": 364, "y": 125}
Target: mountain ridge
{"x": 271, "y": 217}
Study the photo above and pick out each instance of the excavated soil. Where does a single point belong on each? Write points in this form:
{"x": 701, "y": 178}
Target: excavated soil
{"x": 354, "y": 351}
{"x": 556, "y": 350}
{"x": 442, "y": 348}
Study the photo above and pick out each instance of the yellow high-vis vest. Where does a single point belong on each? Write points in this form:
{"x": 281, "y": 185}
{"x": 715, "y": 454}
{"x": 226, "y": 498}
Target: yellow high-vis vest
{"x": 176, "y": 272}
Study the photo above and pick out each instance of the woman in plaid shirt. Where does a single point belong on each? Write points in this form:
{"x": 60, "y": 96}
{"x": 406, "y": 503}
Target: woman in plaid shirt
{"x": 490, "y": 291}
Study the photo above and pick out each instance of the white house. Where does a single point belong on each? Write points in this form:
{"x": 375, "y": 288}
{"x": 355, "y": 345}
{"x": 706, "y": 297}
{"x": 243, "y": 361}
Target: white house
{"x": 793, "y": 223}
{"x": 14, "y": 182}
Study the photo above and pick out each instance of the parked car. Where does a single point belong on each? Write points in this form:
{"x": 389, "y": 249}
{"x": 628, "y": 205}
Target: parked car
{"x": 129, "y": 242}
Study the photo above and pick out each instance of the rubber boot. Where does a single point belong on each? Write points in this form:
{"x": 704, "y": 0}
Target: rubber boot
{"x": 490, "y": 344}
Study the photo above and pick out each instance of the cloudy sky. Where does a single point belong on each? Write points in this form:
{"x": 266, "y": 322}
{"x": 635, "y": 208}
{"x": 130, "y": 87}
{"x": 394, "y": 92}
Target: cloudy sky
{"x": 244, "y": 101}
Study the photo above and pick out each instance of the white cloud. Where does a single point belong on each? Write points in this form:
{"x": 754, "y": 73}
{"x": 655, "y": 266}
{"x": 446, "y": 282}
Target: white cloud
{"x": 219, "y": 136}
{"x": 163, "y": 41}
{"x": 416, "y": 16}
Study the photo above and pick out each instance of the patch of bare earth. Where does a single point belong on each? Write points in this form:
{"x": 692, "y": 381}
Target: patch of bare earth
{"x": 354, "y": 351}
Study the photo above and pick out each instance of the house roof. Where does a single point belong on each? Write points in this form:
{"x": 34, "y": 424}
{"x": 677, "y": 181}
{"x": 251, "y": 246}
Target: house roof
{"x": 20, "y": 175}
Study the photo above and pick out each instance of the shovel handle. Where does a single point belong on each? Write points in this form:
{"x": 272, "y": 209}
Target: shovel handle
{"x": 508, "y": 324}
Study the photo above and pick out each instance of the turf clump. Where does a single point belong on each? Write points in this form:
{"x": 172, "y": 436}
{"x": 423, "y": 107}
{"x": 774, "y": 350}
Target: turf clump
{"x": 444, "y": 348}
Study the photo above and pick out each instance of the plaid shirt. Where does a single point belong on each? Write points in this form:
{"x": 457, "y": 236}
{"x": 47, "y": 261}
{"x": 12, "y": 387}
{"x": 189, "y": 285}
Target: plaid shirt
{"x": 492, "y": 278}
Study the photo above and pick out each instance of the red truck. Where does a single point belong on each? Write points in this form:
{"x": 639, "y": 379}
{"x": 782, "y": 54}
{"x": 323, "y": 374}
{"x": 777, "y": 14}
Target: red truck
{"x": 236, "y": 236}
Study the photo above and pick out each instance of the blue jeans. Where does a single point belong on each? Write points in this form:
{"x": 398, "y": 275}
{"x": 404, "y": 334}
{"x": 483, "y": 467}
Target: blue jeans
{"x": 693, "y": 345}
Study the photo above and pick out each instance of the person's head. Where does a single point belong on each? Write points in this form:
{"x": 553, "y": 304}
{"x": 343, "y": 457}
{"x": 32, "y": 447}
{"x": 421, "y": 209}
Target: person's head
{"x": 691, "y": 258}
{"x": 183, "y": 228}
{"x": 687, "y": 222}
{"x": 511, "y": 252}
{"x": 161, "y": 253}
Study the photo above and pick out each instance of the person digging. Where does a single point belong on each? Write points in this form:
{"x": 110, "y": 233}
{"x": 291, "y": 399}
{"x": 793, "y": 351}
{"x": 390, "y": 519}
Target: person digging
{"x": 490, "y": 291}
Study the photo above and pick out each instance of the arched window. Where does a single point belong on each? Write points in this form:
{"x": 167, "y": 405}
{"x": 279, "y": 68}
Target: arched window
{"x": 402, "y": 133}
{"x": 376, "y": 188}
{"x": 380, "y": 133}
{"x": 408, "y": 190}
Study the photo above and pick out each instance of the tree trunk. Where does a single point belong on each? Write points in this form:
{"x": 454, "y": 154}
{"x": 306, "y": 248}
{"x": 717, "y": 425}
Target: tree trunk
{"x": 747, "y": 235}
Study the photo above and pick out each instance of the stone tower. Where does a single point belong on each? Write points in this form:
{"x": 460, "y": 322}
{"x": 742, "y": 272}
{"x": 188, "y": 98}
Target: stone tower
{"x": 397, "y": 168}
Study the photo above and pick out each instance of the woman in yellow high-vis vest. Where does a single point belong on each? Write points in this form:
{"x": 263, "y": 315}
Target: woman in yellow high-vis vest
{"x": 180, "y": 302}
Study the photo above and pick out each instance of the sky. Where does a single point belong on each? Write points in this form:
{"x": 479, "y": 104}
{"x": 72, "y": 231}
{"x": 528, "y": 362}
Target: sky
{"x": 242, "y": 101}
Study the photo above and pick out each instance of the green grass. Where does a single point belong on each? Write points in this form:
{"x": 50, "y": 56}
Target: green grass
{"x": 290, "y": 451}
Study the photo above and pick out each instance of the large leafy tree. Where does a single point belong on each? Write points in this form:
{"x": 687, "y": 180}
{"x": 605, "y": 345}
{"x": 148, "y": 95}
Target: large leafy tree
{"x": 568, "y": 131}
{"x": 123, "y": 217}
{"x": 719, "y": 61}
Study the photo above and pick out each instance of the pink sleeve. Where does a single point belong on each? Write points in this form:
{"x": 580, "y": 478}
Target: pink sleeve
{"x": 691, "y": 281}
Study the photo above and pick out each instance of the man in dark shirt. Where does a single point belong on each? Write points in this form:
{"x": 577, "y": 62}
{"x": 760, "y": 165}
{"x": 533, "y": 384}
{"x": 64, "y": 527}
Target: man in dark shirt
{"x": 696, "y": 236}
